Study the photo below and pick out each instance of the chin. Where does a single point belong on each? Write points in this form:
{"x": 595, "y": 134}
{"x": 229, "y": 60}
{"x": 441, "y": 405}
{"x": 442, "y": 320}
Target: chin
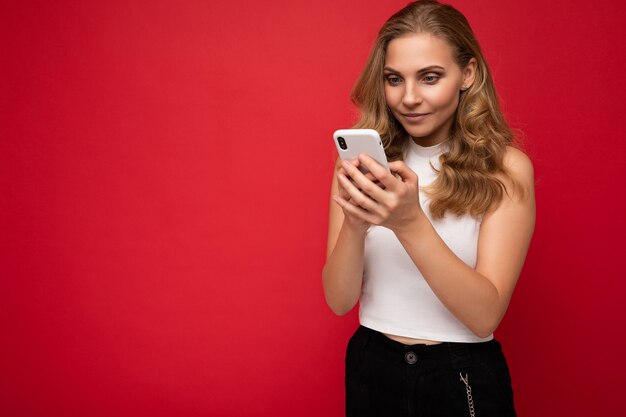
{"x": 417, "y": 132}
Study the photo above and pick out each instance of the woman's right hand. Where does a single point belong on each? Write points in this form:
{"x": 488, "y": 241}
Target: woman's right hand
{"x": 353, "y": 221}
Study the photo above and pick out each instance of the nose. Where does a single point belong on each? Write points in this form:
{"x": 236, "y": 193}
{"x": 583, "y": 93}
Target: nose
{"x": 412, "y": 96}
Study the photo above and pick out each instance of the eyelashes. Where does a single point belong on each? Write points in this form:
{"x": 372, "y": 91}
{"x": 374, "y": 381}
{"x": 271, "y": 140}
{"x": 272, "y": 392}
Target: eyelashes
{"x": 428, "y": 79}
{"x": 393, "y": 80}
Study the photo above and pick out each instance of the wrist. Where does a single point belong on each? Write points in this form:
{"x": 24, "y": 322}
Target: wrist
{"x": 355, "y": 231}
{"x": 414, "y": 227}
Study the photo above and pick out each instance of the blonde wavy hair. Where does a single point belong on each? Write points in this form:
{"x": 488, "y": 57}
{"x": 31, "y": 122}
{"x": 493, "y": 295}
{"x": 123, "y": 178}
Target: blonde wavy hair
{"x": 467, "y": 182}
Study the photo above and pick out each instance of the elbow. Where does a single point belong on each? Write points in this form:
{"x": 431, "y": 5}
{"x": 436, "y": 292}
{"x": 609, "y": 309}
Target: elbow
{"x": 338, "y": 311}
{"x": 338, "y": 308}
{"x": 482, "y": 333}
{"x": 342, "y": 311}
{"x": 485, "y": 321}
{"x": 485, "y": 329}
{"x": 339, "y": 300}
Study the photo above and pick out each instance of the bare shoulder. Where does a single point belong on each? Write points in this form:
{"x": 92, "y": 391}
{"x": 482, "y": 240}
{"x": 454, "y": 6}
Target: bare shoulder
{"x": 518, "y": 163}
{"x": 521, "y": 171}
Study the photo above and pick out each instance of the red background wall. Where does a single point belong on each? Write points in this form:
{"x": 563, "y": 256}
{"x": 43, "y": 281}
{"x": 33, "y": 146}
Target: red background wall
{"x": 165, "y": 172}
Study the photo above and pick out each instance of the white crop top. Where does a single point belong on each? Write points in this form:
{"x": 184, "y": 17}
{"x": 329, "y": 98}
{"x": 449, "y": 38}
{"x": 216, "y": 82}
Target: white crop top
{"x": 395, "y": 297}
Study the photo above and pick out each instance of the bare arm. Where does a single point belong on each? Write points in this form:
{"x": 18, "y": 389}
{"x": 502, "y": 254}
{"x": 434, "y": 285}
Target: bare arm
{"x": 343, "y": 272}
{"x": 477, "y": 297}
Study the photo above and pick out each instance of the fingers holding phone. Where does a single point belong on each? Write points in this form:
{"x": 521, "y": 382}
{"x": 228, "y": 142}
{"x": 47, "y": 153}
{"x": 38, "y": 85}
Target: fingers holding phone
{"x": 343, "y": 193}
{"x": 352, "y": 142}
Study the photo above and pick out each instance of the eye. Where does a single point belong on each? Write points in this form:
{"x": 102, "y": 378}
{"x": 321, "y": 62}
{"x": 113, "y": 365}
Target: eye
{"x": 393, "y": 80}
{"x": 431, "y": 78}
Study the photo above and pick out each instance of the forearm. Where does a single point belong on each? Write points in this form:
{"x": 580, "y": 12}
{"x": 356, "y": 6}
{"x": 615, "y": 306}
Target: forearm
{"x": 469, "y": 296}
{"x": 343, "y": 273}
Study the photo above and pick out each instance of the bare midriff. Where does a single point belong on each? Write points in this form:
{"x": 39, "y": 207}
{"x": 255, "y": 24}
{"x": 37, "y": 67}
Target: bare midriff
{"x": 410, "y": 340}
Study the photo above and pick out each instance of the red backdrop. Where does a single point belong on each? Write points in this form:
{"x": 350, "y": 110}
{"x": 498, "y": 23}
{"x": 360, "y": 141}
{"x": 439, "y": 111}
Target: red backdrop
{"x": 165, "y": 173}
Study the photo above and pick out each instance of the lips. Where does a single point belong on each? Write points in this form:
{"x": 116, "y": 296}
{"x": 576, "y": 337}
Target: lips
{"x": 415, "y": 117}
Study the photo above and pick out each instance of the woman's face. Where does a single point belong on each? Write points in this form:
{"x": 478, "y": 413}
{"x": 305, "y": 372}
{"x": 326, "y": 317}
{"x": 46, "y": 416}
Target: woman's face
{"x": 422, "y": 85}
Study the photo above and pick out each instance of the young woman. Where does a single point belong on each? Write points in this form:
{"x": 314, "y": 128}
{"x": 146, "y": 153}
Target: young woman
{"x": 433, "y": 249}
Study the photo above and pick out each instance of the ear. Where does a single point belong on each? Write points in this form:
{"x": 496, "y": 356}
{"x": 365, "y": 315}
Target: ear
{"x": 469, "y": 73}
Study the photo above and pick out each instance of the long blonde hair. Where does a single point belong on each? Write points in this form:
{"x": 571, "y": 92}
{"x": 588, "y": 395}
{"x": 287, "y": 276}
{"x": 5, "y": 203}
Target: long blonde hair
{"x": 467, "y": 181}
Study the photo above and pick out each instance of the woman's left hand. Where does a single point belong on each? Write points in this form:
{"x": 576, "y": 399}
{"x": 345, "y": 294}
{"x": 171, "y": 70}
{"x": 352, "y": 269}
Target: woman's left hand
{"x": 392, "y": 207}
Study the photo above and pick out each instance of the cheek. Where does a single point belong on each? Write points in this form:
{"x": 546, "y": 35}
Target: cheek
{"x": 391, "y": 97}
{"x": 444, "y": 97}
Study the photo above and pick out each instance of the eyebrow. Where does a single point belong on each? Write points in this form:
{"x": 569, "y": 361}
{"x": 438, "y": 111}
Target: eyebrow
{"x": 426, "y": 69}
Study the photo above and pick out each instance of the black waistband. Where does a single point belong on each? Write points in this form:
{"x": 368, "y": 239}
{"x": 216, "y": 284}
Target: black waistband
{"x": 458, "y": 354}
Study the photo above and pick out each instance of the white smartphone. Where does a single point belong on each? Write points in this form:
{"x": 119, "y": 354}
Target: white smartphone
{"x": 351, "y": 142}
